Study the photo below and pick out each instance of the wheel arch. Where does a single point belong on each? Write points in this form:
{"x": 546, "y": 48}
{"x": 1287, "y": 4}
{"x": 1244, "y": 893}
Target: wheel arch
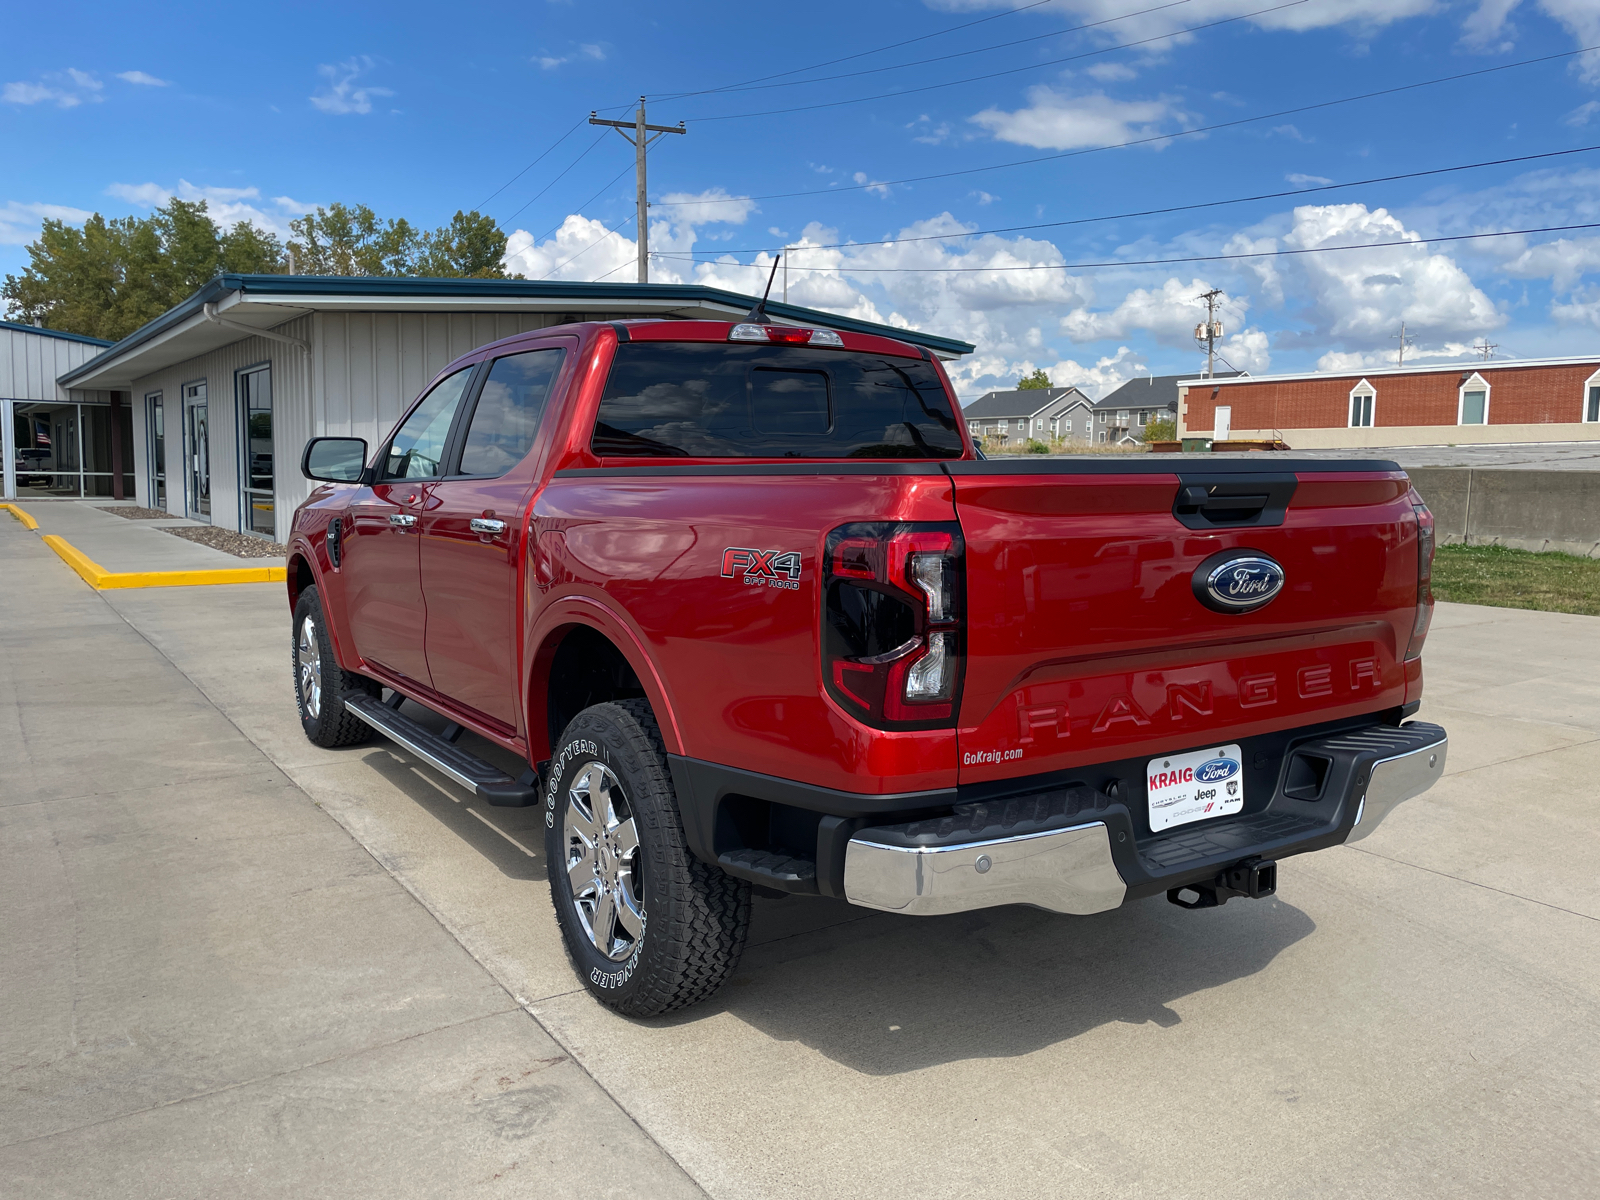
{"x": 584, "y": 654}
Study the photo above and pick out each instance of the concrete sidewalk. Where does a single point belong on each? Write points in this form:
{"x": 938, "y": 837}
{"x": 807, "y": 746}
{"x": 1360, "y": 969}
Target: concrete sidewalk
{"x": 121, "y": 545}
{"x": 208, "y": 987}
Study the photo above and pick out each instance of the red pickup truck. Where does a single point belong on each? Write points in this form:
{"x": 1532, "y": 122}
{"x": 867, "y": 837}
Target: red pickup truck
{"x": 757, "y": 615}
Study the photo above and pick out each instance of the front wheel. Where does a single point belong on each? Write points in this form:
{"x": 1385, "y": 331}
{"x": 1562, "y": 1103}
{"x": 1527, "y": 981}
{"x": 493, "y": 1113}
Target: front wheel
{"x": 320, "y": 683}
{"x": 650, "y": 927}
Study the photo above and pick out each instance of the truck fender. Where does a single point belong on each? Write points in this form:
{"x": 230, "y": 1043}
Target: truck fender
{"x": 619, "y": 630}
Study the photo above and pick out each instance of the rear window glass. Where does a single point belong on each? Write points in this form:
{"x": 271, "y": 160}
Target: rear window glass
{"x": 716, "y": 400}
{"x": 509, "y": 407}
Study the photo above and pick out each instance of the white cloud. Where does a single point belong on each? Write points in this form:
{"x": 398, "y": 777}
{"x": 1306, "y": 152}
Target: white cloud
{"x": 1362, "y": 295}
{"x": 707, "y": 207}
{"x": 1488, "y": 28}
{"x": 1169, "y": 313}
{"x": 1368, "y": 360}
{"x": 1579, "y": 117}
{"x": 226, "y": 206}
{"x": 20, "y": 223}
{"x": 873, "y": 188}
{"x": 588, "y": 51}
{"x": 1054, "y": 120}
{"x": 341, "y": 96}
{"x": 929, "y": 133}
{"x": 1307, "y": 180}
{"x": 1582, "y": 309}
{"x": 140, "y": 78}
{"x": 1111, "y": 72}
{"x": 65, "y": 89}
{"x": 1563, "y": 261}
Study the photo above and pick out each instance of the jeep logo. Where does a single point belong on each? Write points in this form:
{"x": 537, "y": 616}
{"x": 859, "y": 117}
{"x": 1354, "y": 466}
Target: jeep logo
{"x": 1237, "y": 581}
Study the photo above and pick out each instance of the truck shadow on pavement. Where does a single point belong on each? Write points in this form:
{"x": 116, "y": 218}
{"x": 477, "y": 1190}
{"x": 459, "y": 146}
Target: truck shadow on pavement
{"x": 885, "y": 995}
{"x": 492, "y": 832}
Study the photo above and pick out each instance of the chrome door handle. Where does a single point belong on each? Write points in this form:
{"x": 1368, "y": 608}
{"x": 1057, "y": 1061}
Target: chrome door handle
{"x": 402, "y": 520}
{"x": 486, "y": 525}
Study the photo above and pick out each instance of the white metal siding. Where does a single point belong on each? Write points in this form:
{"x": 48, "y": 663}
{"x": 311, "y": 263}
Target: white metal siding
{"x": 30, "y": 364}
{"x": 218, "y": 369}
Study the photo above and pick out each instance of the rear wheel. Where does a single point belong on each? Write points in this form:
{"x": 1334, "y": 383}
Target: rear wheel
{"x": 650, "y": 927}
{"x": 320, "y": 683}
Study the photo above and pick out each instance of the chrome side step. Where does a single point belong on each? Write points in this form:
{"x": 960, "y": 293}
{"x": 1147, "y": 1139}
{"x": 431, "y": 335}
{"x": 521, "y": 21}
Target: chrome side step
{"x": 484, "y": 780}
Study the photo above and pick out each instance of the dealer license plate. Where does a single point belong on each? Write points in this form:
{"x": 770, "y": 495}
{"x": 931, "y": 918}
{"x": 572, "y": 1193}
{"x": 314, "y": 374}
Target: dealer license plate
{"x": 1195, "y": 787}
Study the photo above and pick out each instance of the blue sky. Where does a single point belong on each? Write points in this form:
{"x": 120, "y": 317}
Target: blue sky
{"x": 418, "y": 111}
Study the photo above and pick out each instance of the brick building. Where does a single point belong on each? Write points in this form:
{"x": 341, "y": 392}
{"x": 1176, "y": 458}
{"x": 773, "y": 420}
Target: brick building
{"x": 1534, "y": 400}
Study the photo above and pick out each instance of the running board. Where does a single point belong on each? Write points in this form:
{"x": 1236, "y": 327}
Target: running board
{"x": 482, "y": 779}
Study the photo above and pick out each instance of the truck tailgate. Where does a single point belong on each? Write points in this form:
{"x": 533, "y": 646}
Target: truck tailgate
{"x": 1086, "y": 639}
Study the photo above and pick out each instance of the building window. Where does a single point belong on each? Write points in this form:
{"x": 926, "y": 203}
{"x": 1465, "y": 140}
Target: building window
{"x": 255, "y": 404}
{"x": 1143, "y": 417}
{"x": 1039, "y": 424}
{"x": 1122, "y": 418}
{"x": 1362, "y": 397}
{"x": 1102, "y": 435}
{"x": 1102, "y": 421}
{"x": 1473, "y": 406}
{"x": 1591, "y": 398}
{"x": 156, "y": 417}
{"x": 70, "y": 450}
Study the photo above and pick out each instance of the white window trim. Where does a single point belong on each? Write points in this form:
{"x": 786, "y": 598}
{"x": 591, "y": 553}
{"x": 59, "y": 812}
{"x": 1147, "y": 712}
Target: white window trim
{"x": 1366, "y": 389}
{"x": 1473, "y": 383}
{"x": 1583, "y": 412}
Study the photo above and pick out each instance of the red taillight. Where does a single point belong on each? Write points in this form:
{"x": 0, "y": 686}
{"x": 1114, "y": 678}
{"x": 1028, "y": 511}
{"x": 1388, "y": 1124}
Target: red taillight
{"x": 1424, "y": 616}
{"x": 892, "y": 637}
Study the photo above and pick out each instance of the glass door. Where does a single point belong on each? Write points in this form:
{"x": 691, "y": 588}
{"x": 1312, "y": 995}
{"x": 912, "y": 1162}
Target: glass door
{"x": 197, "y": 451}
{"x": 255, "y": 401}
{"x": 158, "y": 451}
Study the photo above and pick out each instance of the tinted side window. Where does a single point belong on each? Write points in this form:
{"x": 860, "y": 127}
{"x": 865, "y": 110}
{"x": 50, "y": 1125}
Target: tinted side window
{"x": 715, "y": 400}
{"x": 417, "y": 448}
{"x": 508, "y": 412}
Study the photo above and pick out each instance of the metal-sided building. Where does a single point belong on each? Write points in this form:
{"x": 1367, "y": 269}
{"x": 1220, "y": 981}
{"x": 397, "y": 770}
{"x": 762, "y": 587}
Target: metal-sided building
{"x": 74, "y": 445}
{"x": 225, "y": 389}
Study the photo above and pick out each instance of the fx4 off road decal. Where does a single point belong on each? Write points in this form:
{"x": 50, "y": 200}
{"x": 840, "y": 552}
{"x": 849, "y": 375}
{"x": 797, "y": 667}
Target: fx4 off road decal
{"x": 762, "y": 568}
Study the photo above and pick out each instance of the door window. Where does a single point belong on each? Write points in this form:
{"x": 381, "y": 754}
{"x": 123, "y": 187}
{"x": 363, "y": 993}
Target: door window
{"x": 417, "y": 449}
{"x": 508, "y": 410}
{"x": 255, "y": 397}
{"x": 158, "y": 452}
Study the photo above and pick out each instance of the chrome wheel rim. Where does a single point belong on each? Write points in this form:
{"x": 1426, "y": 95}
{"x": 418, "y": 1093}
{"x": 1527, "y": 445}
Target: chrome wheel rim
{"x": 308, "y": 651}
{"x": 603, "y": 867}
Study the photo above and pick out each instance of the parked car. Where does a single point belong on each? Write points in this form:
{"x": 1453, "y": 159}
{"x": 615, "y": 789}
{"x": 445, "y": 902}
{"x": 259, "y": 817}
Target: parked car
{"x": 28, "y": 466}
{"x": 755, "y": 614}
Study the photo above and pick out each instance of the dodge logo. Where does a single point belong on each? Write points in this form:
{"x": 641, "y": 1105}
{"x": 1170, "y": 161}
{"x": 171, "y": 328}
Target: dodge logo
{"x": 1237, "y": 581}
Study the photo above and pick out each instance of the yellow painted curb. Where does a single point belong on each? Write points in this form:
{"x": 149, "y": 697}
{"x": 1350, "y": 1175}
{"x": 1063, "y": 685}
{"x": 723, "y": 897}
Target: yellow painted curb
{"x": 101, "y": 579}
{"x": 27, "y": 521}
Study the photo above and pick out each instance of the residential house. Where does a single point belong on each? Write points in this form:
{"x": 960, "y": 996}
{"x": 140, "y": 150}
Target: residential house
{"x": 1121, "y": 416}
{"x": 1022, "y": 413}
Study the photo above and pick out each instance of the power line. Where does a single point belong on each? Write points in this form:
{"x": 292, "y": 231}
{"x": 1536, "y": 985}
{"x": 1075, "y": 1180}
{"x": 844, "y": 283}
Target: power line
{"x": 530, "y": 166}
{"x": 502, "y": 224}
{"x": 833, "y": 62}
{"x": 589, "y": 247}
{"x": 922, "y": 62}
{"x": 1039, "y": 66}
{"x": 1145, "y": 141}
{"x": 1195, "y": 258}
{"x": 1157, "y": 212}
{"x": 604, "y": 187}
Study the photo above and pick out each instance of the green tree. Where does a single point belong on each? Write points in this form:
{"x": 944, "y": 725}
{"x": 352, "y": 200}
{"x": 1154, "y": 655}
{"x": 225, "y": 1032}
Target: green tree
{"x": 1035, "y": 381}
{"x": 470, "y": 247}
{"x": 111, "y": 276}
{"x": 340, "y": 240}
{"x": 1161, "y": 429}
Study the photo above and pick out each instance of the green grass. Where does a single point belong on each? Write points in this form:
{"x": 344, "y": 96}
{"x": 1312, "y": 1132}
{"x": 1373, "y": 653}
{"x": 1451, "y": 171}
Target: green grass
{"x": 1517, "y": 579}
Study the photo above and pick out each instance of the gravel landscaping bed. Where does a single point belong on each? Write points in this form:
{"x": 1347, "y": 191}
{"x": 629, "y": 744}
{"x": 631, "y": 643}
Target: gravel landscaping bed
{"x": 240, "y": 545}
{"x": 134, "y": 513}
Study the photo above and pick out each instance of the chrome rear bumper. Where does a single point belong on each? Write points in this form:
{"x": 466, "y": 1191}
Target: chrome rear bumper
{"x": 1064, "y": 870}
{"x": 1395, "y": 779}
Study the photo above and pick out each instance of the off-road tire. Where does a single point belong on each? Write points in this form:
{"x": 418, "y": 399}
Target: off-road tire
{"x": 332, "y": 725}
{"x": 696, "y": 917}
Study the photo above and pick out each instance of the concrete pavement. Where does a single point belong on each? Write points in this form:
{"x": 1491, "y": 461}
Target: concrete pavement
{"x": 1416, "y": 1016}
{"x": 209, "y": 988}
{"x": 119, "y": 544}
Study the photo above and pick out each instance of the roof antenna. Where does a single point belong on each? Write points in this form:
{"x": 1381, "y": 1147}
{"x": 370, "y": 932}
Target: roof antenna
{"x": 758, "y": 314}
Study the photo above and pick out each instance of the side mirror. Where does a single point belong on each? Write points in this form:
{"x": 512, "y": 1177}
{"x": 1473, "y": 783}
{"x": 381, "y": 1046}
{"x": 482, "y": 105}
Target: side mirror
{"x": 334, "y": 459}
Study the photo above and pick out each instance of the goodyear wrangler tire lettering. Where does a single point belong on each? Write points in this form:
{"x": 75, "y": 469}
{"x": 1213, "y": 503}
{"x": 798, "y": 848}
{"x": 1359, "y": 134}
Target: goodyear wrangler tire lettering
{"x": 649, "y": 927}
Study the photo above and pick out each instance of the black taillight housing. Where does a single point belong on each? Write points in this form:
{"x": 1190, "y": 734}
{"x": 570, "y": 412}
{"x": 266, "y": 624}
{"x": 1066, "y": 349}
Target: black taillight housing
{"x": 1424, "y": 615}
{"x": 893, "y": 622}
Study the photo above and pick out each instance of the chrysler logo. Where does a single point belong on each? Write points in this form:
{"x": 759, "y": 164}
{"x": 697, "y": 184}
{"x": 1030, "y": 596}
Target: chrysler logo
{"x": 1237, "y": 581}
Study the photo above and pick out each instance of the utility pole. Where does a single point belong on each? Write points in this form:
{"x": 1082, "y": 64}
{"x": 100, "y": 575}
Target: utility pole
{"x": 1486, "y": 349}
{"x": 1404, "y": 342}
{"x": 641, "y": 142}
{"x": 1211, "y": 330}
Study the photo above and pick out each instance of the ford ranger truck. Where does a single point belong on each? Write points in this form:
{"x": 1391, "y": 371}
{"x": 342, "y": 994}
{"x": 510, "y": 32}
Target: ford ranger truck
{"x": 754, "y": 614}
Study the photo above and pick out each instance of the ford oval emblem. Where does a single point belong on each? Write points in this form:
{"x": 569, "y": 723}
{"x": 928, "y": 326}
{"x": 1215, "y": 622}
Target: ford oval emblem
{"x": 1215, "y": 770}
{"x": 1237, "y": 581}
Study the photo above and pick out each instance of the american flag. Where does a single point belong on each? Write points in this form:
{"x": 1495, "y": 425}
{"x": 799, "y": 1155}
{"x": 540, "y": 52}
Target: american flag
{"x": 41, "y": 434}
